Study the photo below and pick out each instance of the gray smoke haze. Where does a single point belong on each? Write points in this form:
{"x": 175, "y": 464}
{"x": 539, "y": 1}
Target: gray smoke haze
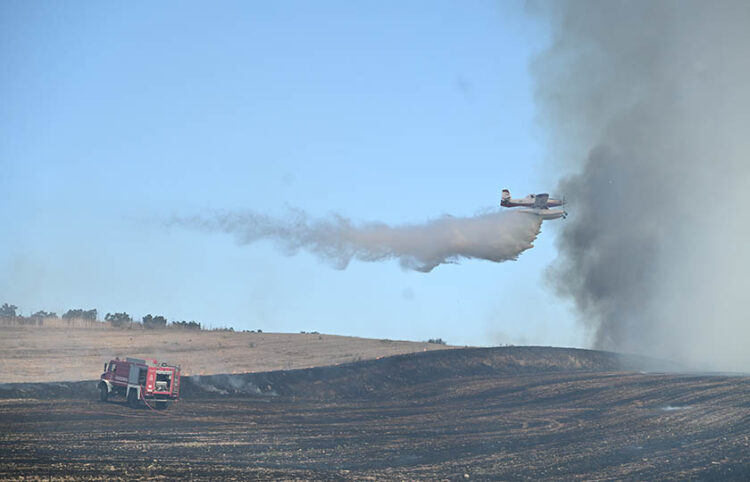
{"x": 492, "y": 236}
{"x": 647, "y": 103}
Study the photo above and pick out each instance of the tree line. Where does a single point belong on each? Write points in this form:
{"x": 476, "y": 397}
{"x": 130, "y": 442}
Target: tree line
{"x": 9, "y": 312}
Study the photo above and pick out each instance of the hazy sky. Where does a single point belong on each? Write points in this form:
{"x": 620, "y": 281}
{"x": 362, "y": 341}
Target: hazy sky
{"x": 117, "y": 116}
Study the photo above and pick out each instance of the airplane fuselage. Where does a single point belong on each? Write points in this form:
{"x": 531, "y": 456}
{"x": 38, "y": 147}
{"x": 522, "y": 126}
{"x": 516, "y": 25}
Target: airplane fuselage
{"x": 527, "y": 202}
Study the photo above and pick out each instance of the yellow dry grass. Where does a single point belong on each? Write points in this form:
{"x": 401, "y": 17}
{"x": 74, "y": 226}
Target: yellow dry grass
{"x": 60, "y": 352}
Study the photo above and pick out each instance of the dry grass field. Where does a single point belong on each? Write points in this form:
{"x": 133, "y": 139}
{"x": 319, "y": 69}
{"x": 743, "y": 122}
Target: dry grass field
{"x": 57, "y": 352}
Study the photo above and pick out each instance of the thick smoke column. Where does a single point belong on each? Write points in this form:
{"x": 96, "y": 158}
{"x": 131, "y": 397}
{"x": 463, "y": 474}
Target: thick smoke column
{"x": 648, "y": 104}
{"x": 493, "y": 236}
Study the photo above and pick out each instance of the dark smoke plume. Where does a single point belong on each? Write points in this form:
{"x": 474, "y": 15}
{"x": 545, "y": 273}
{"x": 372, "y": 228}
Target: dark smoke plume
{"x": 647, "y": 104}
{"x": 493, "y": 236}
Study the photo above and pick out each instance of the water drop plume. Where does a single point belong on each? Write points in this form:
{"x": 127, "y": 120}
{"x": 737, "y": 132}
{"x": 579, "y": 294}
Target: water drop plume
{"x": 493, "y": 236}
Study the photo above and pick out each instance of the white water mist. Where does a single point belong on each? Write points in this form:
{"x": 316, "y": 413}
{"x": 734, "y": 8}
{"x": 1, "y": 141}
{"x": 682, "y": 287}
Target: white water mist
{"x": 493, "y": 236}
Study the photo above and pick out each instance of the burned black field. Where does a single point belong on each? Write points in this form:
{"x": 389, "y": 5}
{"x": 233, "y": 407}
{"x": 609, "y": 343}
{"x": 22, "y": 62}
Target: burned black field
{"x": 505, "y": 413}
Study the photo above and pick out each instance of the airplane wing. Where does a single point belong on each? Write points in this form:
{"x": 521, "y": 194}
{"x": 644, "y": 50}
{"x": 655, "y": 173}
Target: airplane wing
{"x": 540, "y": 201}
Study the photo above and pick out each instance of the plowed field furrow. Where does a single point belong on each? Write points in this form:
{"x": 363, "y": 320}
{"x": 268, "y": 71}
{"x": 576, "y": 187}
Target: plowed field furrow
{"x": 561, "y": 426}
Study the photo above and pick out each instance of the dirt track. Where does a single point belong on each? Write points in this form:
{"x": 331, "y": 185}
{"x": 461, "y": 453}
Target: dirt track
{"x": 516, "y": 418}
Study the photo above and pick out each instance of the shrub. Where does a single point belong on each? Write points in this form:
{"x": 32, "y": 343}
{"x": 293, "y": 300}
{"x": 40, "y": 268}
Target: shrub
{"x": 82, "y": 314}
{"x": 8, "y": 311}
{"x": 151, "y": 322}
{"x": 39, "y": 317}
{"x": 191, "y": 325}
{"x": 118, "y": 319}
{"x": 44, "y": 314}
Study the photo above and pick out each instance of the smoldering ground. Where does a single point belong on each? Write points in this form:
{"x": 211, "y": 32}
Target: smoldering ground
{"x": 647, "y": 107}
{"x": 493, "y": 236}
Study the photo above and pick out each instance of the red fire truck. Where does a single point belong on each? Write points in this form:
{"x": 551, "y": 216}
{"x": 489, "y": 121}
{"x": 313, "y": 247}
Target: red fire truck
{"x": 140, "y": 380}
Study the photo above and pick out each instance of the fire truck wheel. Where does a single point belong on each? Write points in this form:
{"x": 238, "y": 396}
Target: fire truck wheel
{"x": 103, "y": 393}
{"x": 133, "y": 398}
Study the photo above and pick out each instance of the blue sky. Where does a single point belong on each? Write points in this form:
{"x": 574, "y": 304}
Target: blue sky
{"x": 116, "y": 116}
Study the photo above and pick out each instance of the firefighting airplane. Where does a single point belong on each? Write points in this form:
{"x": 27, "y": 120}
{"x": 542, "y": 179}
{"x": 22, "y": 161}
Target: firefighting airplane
{"x": 538, "y": 204}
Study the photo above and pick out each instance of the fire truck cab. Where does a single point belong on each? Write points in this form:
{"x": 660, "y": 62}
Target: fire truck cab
{"x": 139, "y": 381}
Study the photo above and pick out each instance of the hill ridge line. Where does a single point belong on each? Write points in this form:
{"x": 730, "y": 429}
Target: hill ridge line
{"x": 374, "y": 377}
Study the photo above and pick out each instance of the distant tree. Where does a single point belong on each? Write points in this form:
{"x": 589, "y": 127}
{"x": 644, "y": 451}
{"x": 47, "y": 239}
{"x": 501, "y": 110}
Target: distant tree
{"x": 81, "y": 314}
{"x": 191, "y": 325}
{"x": 151, "y": 322}
{"x": 8, "y": 311}
{"x": 41, "y": 315}
{"x": 118, "y": 319}
{"x": 44, "y": 314}
{"x": 437, "y": 341}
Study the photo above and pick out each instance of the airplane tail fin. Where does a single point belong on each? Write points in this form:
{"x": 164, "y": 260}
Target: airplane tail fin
{"x": 505, "y": 197}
